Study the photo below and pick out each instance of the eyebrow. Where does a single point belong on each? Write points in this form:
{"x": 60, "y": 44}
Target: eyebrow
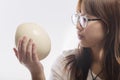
{"x": 82, "y": 14}
{"x": 77, "y": 11}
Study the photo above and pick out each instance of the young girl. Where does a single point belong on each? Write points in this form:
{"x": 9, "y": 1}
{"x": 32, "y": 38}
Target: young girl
{"x": 98, "y": 55}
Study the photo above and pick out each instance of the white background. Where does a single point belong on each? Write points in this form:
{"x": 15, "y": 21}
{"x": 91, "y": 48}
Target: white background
{"x": 53, "y": 15}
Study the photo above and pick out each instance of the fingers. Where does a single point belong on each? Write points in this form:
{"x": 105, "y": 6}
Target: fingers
{"x": 19, "y": 50}
{"x": 22, "y": 49}
{"x": 34, "y": 53}
{"x": 29, "y": 51}
{"x": 26, "y": 52}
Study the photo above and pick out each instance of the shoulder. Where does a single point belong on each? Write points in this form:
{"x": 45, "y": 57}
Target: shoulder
{"x": 58, "y": 68}
{"x": 61, "y": 58}
{"x": 69, "y": 52}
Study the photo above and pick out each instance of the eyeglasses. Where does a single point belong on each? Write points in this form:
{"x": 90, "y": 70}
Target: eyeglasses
{"x": 82, "y": 20}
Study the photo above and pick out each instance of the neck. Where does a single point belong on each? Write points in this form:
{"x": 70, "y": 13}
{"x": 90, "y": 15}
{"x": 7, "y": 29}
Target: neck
{"x": 97, "y": 54}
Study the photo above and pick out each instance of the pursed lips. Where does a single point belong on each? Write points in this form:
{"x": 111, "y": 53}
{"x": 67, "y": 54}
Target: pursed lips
{"x": 80, "y": 36}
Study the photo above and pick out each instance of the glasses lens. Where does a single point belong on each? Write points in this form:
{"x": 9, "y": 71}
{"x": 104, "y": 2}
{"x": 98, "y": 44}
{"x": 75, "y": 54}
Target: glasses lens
{"x": 83, "y": 21}
{"x": 75, "y": 19}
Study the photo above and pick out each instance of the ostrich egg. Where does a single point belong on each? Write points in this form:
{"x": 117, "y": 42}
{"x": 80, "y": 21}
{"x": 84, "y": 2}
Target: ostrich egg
{"x": 39, "y": 36}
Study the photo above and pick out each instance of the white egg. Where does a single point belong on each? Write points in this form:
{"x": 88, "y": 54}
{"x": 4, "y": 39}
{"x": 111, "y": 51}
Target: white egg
{"x": 38, "y": 35}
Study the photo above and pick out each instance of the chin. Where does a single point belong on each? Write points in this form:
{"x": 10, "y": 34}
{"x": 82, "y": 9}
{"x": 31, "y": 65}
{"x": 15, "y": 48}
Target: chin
{"x": 84, "y": 45}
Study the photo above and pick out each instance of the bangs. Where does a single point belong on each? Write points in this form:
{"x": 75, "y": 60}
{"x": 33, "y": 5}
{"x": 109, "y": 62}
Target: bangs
{"x": 78, "y": 9}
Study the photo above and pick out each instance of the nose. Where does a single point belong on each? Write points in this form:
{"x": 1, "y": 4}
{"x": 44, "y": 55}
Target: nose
{"x": 79, "y": 27}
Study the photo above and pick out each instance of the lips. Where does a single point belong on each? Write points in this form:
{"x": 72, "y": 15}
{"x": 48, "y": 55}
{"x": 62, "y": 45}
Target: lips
{"x": 80, "y": 36}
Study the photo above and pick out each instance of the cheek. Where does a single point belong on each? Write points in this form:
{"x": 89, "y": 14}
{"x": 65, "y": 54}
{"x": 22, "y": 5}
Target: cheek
{"x": 93, "y": 35}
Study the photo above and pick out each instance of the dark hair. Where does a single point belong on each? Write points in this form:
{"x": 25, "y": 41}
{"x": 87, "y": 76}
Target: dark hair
{"x": 109, "y": 12}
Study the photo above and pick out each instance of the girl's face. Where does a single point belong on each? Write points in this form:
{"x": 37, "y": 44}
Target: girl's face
{"x": 93, "y": 34}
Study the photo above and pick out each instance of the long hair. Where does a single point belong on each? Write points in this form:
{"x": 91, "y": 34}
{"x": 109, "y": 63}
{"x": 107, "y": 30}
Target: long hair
{"x": 109, "y": 12}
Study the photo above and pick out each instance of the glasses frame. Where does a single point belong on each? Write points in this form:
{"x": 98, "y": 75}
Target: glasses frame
{"x": 78, "y": 15}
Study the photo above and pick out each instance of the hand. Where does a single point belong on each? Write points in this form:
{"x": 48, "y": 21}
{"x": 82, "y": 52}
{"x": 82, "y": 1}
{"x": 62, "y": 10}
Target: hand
{"x": 26, "y": 54}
